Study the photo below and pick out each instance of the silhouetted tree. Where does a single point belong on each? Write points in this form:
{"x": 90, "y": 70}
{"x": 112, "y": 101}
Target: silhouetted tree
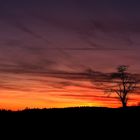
{"x": 124, "y": 84}
{"x": 121, "y": 82}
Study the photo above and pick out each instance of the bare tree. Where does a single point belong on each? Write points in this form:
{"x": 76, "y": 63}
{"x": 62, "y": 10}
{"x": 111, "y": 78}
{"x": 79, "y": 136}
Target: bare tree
{"x": 122, "y": 83}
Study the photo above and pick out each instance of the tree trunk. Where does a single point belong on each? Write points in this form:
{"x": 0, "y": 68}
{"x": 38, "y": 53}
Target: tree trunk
{"x": 124, "y": 104}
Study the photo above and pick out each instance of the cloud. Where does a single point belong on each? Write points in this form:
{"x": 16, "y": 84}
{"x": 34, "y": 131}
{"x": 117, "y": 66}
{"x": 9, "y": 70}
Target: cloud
{"x": 29, "y": 31}
{"x": 87, "y": 28}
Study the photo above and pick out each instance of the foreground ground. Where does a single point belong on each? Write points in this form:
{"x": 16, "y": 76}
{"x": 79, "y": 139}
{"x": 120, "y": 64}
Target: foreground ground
{"x": 70, "y": 121}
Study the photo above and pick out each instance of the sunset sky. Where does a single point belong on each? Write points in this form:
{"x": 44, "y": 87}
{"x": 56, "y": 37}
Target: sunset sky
{"x": 47, "y": 46}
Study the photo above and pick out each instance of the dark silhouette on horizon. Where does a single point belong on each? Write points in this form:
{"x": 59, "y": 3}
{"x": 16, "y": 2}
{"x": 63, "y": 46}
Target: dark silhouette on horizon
{"x": 125, "y": 83}
{"x": 122, "y": 83}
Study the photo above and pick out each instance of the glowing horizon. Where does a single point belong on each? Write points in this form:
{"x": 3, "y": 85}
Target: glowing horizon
{"x": 44, "y": 96}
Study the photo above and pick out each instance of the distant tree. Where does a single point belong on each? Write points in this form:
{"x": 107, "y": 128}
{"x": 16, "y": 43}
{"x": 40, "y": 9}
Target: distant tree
{"x": 121, "y": 83}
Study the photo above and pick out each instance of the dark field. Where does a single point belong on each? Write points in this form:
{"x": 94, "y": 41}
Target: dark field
{"x": 68, "y": 122}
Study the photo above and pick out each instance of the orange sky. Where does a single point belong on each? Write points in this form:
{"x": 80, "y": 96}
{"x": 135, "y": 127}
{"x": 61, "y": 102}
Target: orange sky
{"x": 29, "y": 94}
